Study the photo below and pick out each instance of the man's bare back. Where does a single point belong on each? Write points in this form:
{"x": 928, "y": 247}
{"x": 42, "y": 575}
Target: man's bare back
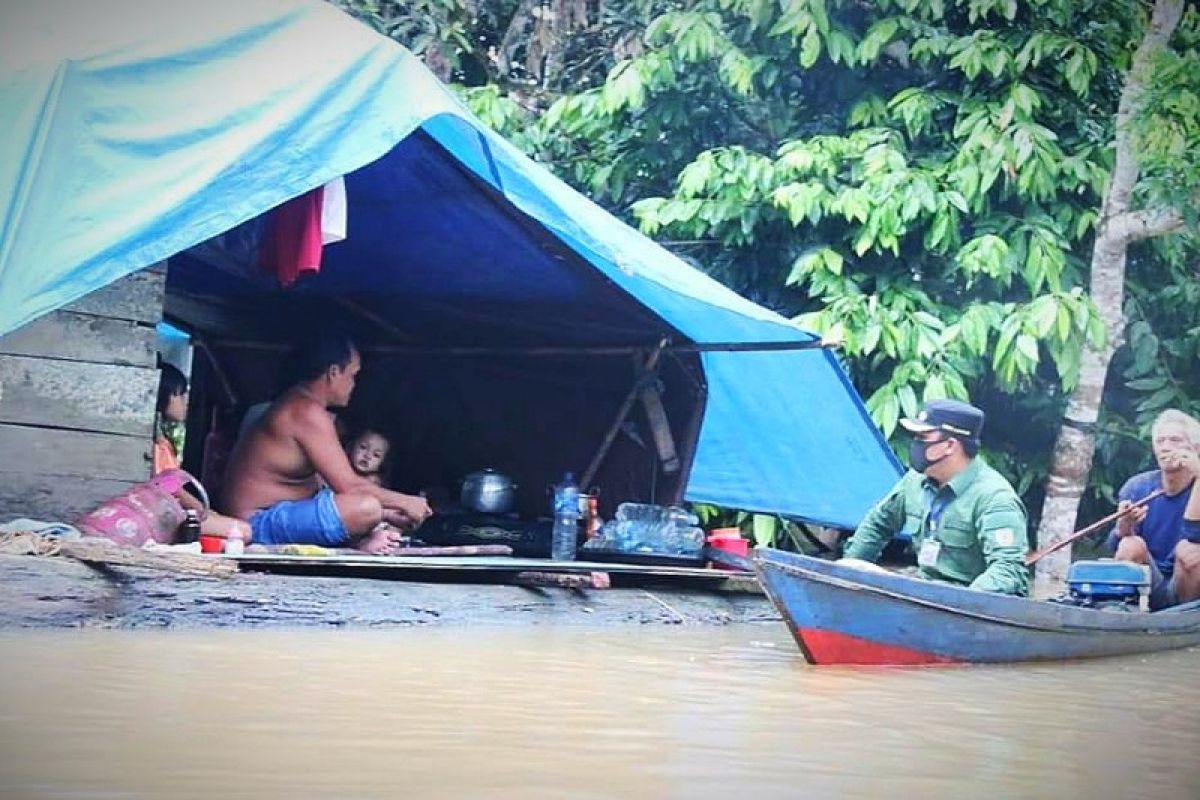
{"x": 268, "y": 465}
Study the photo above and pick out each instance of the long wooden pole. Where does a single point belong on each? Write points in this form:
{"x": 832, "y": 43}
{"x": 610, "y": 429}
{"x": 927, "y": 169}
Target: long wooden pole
{"x": 639, "y": 382}
{"x": 1035, "y": 557}
{"x": 550, "y": 350}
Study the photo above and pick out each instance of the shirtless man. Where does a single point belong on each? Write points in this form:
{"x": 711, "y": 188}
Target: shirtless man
{"x": 275, "y": 473}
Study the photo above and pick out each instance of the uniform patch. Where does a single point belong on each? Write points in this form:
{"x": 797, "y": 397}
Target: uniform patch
{"x": 1006, "y": 537}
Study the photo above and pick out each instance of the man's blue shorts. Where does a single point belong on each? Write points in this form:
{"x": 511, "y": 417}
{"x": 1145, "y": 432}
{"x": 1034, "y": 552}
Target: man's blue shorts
{"x": 314, "y": 520}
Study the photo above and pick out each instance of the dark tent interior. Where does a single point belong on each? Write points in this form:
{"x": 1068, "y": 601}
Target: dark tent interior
{"x": 487, "y": 342}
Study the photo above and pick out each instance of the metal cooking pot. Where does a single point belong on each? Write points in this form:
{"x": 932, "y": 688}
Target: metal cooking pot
{"x": 488, "y": 492}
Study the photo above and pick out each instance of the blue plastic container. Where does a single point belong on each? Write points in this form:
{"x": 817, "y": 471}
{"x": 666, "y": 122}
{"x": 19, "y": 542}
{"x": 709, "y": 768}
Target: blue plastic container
{"x": 1107, "y": 579}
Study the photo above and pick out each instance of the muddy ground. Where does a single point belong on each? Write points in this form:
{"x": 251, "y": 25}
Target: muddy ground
{"x": 57, "y": 592}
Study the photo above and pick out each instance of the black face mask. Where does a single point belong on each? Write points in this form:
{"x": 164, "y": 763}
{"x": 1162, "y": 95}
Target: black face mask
{"x": 916, "y": 453}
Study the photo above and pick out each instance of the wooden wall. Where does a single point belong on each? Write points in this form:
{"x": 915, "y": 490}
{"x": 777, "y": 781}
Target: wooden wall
{"x": 77, "y": 391}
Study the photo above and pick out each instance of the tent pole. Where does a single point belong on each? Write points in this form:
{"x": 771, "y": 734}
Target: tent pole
{"x": 645, "y": 374}
{"x": 688, "y": 452}
{"x": 660, "y": 427}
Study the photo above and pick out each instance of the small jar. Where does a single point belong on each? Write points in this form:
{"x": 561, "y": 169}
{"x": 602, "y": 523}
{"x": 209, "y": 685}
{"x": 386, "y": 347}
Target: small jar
{"x": 191, "y": 526}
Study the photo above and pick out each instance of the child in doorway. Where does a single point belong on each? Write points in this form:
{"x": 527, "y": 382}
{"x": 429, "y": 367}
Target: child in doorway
{"x": 172, "y": 409}
{"x": 368, "y": 453}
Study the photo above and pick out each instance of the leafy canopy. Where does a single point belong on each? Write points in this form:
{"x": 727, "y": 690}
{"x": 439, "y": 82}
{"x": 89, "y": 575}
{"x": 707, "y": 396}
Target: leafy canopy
{"x": 920, "y": 177}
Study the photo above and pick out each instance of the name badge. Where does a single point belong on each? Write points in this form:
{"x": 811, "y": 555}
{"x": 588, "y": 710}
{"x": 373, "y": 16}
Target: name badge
{"x": 927, "y": 556}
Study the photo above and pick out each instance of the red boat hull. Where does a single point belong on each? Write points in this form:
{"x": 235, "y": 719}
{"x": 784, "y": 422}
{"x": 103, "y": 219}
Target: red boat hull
{"x": 830, "y": 647}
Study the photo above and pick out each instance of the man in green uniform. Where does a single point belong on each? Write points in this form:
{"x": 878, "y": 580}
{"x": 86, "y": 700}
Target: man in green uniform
{"x": 966, "y": 521}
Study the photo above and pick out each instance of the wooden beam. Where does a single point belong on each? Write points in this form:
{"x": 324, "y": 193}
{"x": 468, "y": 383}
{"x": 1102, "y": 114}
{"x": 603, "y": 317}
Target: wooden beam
{"x": 553, "y": 351}
{"x": 100, "y": 552}
{"x": 660, "y": 427}
{"x": 690, "y": 438}
{"x": 646, "y": 373}
{"x": 565, "y": 580}
{"x": 62, "y": 394}
{"x": 595, "y": 350}
{"x": 211, "y": 316}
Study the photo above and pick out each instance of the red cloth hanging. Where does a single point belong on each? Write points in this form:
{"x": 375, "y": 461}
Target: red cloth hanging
{"x": 291, "y": 244}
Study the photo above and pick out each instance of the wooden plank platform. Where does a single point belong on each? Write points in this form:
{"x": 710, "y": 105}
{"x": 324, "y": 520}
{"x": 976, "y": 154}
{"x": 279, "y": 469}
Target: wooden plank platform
{"x": 495, "y": 567}
{"x": 486, "y": 563}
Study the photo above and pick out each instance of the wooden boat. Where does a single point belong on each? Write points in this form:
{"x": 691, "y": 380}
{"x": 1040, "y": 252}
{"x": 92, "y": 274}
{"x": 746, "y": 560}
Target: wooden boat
{"x": 839, "y": 614}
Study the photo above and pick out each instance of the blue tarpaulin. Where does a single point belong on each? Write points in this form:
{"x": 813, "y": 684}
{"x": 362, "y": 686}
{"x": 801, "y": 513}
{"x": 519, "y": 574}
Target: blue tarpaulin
{"x": 135, "y": 130}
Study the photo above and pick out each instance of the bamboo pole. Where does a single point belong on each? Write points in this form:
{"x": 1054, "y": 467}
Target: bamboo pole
{"x": 1035, "y": 557}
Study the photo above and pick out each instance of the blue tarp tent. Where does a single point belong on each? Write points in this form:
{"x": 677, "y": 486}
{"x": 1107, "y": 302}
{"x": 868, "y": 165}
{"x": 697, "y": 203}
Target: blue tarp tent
{"x": 137, "y": 131}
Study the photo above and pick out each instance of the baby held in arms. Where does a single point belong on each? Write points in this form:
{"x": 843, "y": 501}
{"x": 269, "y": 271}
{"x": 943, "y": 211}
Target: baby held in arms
{"x": 368, "y": 453}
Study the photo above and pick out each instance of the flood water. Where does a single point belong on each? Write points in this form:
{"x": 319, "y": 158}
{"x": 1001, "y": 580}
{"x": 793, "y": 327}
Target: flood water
{"x": 556, "y": 712}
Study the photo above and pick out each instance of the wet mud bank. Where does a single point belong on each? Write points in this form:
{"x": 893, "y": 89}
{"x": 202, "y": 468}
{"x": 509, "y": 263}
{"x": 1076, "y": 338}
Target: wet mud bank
{"x": 54, "y": 592}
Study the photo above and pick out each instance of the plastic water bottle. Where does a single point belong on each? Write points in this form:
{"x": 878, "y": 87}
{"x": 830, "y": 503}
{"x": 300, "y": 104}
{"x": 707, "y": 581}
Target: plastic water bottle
{"x": 665, "y": 530}
{"x": 565, "y": 534}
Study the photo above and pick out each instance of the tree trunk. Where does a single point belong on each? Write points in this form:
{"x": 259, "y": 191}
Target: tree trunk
{"x": 514, "y": 37}
{"x": 569, "y": 17}
{"x": 1076, "y": 443}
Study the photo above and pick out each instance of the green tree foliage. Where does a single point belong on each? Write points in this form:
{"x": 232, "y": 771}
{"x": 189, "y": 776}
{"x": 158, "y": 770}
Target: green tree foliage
{"x": 919, "y": 177}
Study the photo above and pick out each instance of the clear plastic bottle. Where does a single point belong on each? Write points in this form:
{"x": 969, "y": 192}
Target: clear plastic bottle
{"x": 564, "y": 537}
{"x": 656, "y": 529}
{"x": 691, "y": 541}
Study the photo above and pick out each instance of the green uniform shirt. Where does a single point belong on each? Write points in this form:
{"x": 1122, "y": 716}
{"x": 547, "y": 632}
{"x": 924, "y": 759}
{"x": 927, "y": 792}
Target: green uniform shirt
{"x": 981, "y": 528}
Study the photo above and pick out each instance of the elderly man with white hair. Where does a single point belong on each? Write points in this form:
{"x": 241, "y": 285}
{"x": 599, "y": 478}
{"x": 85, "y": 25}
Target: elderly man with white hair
{"x": 1165, "y": 533}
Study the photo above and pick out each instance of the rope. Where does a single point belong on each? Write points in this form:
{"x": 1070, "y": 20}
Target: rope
{"x": 27, "y": 543}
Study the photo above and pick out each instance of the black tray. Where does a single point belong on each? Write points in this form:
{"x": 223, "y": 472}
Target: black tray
{"x": 645, "y": 559}
{"x": 527, "y": 538}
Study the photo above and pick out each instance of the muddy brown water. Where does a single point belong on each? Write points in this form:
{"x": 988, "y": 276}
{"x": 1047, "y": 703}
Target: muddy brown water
{"x": 570, "y": 712}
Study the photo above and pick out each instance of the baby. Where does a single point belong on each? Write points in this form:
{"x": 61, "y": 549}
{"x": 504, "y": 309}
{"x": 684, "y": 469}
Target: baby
{"x": 368, "y": 453}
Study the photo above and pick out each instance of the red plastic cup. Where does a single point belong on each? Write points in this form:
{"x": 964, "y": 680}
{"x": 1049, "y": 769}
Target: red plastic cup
{"x": 212, "y": 544}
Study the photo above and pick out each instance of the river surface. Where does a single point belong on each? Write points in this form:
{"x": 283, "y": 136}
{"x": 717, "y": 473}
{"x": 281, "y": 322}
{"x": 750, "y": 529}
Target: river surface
{"x": 686, "y": 712}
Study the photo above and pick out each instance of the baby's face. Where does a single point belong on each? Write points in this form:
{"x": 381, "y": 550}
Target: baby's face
{"x": 368, "y": 452}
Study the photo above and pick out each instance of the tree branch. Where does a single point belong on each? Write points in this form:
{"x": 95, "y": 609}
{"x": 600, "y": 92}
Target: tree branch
{"x": 1163, "y": 22}
{"x": 1134, "y": 226}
